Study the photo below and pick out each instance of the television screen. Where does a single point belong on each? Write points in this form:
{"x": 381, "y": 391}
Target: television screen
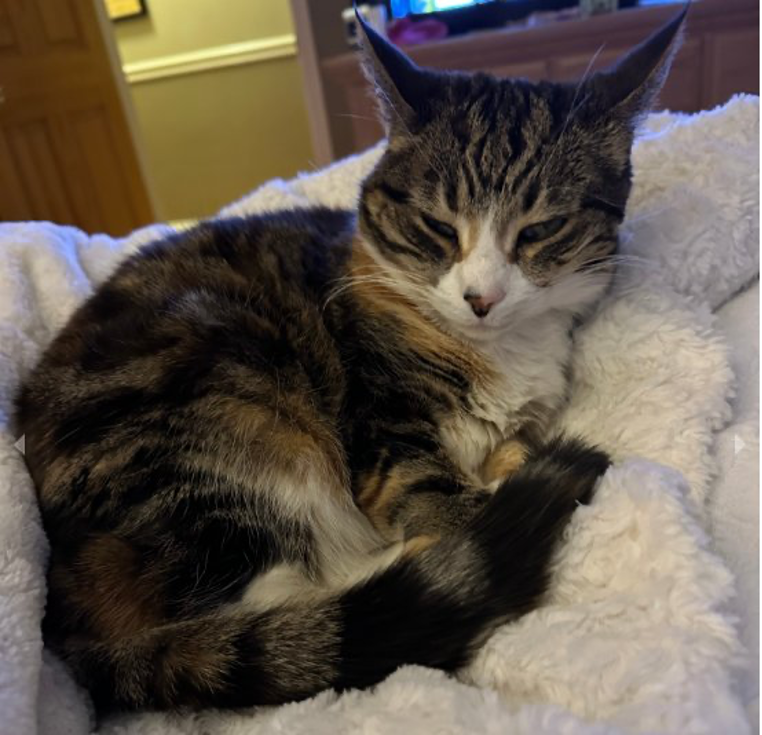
{"x": 402, "y": 8}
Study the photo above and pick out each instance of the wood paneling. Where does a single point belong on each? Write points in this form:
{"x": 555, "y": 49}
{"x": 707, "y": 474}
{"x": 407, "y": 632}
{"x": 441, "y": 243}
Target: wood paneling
{"x": 8, "y": 40}
{"x": 534, "y": 71}
{"x": 720, "y": 56}
{"x": 33, "y": 153}
{"x": 728, "y": 63}
{"x": 59, "y": 23}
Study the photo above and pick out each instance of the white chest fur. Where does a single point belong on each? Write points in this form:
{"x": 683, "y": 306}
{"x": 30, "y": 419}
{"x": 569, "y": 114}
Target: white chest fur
{"x": 530, "y": 364}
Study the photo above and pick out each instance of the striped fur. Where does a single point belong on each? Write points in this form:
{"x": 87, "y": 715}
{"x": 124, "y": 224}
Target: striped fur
{"x": 276, "y": 455}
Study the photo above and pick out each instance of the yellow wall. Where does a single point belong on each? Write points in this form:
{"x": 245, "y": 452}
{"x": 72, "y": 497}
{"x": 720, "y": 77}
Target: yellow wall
{"x": 213, "y": 135}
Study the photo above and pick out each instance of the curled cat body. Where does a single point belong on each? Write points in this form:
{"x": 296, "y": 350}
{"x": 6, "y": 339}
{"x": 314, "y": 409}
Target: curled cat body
{"x": 295, "y": 451}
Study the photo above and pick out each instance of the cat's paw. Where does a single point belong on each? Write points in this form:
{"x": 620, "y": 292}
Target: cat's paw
{"x": 503, "y": 462}
{"x": 575, "y": 466}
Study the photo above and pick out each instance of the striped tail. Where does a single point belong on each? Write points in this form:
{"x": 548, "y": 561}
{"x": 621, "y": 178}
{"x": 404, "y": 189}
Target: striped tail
{"x": 433, "y": 609}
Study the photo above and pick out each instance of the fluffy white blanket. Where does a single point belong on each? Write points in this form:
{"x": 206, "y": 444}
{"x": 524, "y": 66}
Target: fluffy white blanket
{"x": 638, "y": 635}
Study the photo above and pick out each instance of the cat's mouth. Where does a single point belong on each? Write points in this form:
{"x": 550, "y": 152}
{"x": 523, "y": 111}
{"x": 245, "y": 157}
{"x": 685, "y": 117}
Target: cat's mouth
{"x": 475, "y": 329}
{"x": 484, "y": 331}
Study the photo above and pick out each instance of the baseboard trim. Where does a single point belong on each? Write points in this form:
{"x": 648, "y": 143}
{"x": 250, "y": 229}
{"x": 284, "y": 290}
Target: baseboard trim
{"x": 216, "y": 57}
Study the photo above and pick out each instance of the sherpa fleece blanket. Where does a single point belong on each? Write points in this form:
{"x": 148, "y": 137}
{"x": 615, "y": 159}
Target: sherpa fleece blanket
{"x": 637, "y": 636}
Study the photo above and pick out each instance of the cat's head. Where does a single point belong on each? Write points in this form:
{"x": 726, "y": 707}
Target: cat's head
{"x": 499, "y": 199}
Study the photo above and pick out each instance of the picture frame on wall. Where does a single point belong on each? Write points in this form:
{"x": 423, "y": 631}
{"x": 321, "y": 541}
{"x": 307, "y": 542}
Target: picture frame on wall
{"x": 122, "y": 9}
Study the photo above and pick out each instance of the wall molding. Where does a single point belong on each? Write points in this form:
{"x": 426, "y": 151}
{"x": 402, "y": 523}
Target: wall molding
{"x": 214, "y": 57}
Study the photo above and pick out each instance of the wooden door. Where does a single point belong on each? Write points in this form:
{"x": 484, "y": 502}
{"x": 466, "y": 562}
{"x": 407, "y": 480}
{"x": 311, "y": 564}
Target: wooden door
{"x": 67, "y": 144}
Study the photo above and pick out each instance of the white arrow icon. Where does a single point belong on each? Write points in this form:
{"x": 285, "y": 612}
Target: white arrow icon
{"x": 738, "y": 444}
{"x": 21, "y": 444}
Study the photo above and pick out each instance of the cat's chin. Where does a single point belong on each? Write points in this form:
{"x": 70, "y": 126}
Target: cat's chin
{"x": 481, "y": 332}
{"x": 518, "y": 323}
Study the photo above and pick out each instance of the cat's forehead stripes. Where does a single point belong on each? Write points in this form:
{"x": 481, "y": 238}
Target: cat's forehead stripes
{"x": 489, "y": 148}
{"x": 487, "y": 138}
{"x": 470, "y": 231}
{"x": 486, "y": 147}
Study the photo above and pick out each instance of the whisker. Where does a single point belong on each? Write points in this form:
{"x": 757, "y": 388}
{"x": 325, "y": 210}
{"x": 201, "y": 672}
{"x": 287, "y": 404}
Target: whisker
{"x": 407, "y": 284}
{"x": 352, "y": 116}
{"x": 645, "y": 216}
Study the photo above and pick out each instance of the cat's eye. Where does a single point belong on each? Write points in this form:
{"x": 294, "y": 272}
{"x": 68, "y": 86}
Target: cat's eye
{"x": 541, "y": 230}
{"x": 441, "y": 228}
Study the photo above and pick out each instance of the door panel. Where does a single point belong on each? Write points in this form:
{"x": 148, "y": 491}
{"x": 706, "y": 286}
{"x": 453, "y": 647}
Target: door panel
{"x": 67, "y": 150}
{"x": 8, "y": 40}
{"x": 92, "y": 130}
{"x": 33, "y": 153}
{"x": 60, "y": 24}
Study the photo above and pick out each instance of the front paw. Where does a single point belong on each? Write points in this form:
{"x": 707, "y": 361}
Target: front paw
{"x": 504, "y": 461}
{"x": 575, "y": 465}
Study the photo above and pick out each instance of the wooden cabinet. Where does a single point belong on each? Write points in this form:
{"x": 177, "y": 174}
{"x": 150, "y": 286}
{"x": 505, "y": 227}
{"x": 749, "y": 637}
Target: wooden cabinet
{"x": 720, "y": 56}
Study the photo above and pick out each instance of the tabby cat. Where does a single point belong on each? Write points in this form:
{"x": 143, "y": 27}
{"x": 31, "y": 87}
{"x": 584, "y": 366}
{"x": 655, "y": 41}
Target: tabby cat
{"x": 294, "y": 451}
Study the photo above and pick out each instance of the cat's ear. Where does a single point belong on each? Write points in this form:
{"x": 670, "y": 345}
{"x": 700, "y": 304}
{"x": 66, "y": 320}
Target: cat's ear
{"x": 403, "y": 89}
{"x": 630, "y": 87}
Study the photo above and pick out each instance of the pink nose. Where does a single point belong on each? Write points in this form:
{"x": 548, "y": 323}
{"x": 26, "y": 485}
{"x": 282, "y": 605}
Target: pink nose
{"x": 481, "y": 305}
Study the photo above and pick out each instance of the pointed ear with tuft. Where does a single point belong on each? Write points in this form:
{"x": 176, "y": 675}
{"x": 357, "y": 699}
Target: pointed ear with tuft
{"x": 404, "y": 90}
{"x": 631, "y": 86}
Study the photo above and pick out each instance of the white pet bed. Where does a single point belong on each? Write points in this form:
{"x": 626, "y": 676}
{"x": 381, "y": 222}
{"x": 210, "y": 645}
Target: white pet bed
{"x": 643, "y": 633}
